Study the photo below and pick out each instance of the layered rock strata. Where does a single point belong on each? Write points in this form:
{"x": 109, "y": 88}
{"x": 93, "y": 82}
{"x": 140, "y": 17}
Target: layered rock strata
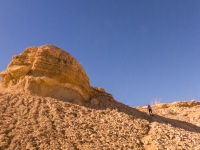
{"x": 48, "y": 71}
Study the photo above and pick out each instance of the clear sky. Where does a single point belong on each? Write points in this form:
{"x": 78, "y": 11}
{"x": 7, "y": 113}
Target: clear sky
{"x": 137, "y": 50}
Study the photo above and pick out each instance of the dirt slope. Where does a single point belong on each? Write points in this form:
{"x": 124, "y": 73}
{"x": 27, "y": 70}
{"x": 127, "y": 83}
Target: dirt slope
{"x": 174, "y": 126}
{"x": 35, "y": 122}
{"x": 46, "y": 102}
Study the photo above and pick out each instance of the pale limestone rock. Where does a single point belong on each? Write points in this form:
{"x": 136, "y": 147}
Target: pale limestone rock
{"x": 48, "y": 71}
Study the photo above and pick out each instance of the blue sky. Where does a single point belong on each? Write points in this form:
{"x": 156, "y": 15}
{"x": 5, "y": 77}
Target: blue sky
{"x": 137, "y": 50}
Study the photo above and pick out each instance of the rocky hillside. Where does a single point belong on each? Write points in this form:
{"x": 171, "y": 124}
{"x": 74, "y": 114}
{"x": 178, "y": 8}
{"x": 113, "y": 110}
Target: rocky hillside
{"x": 80, "y": 117}
{"x": 173, "y": 126}
{"x": 35, "y": 122}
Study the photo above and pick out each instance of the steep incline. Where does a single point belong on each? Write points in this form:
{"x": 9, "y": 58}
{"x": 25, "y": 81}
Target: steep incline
{"x": 174, "y": 126}
{"x": 34, "y": 122}
{"x": 46, "y": 102}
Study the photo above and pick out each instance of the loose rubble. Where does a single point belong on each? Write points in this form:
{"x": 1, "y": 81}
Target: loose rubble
{"x": 35, "y": 122}
{"x": 47, "y": 103}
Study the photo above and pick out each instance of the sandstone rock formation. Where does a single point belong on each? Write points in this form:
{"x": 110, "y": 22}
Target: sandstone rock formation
{"x": 48, "y": 71}
{"x": 36, "y": 112}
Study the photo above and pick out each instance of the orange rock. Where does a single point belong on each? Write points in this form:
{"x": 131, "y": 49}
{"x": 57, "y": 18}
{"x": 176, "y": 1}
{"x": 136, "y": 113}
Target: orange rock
{"x": 48, "y": 71}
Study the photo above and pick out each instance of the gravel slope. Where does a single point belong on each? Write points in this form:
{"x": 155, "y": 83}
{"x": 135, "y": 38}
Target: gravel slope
{"x": 35, "y": 122}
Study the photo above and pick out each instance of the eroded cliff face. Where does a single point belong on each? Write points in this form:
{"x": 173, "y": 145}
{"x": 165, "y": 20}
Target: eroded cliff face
{"x": 48, "y": 71}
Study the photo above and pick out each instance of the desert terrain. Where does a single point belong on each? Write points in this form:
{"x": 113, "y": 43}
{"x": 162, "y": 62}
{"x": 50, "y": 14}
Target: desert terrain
{"x": 47, "y": 103}
{"x": 35, "y": 122}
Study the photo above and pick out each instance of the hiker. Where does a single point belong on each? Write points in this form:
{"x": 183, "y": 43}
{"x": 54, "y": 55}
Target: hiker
{"x": 150, "y": 110}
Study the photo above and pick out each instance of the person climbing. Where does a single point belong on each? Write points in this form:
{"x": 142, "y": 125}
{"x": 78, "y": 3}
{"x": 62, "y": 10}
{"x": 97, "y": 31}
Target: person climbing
{"x": 150, "y": 110}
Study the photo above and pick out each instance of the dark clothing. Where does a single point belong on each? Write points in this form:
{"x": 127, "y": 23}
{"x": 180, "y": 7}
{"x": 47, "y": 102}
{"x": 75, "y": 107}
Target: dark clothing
{"x": 150, "y": 109}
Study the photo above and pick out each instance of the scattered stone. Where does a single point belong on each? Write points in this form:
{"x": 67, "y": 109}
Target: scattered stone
{"x": 46, "y": 102}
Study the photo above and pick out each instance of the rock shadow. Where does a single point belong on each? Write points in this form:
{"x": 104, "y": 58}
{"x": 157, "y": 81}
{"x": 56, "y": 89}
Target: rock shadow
{"x": 106, "y": 101}
{"x": 176, "y": 123}
{"x": 135, "y": 113}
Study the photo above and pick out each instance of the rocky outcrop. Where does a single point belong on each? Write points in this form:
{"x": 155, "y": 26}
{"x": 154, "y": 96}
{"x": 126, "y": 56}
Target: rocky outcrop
{"x": 39, "y": 121}
{"x": 178, "y": 104}
{"x": 48, "y": 71}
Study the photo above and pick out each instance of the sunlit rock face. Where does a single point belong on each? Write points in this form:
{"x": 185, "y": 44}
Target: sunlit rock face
{"x": 48, "y": 71}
